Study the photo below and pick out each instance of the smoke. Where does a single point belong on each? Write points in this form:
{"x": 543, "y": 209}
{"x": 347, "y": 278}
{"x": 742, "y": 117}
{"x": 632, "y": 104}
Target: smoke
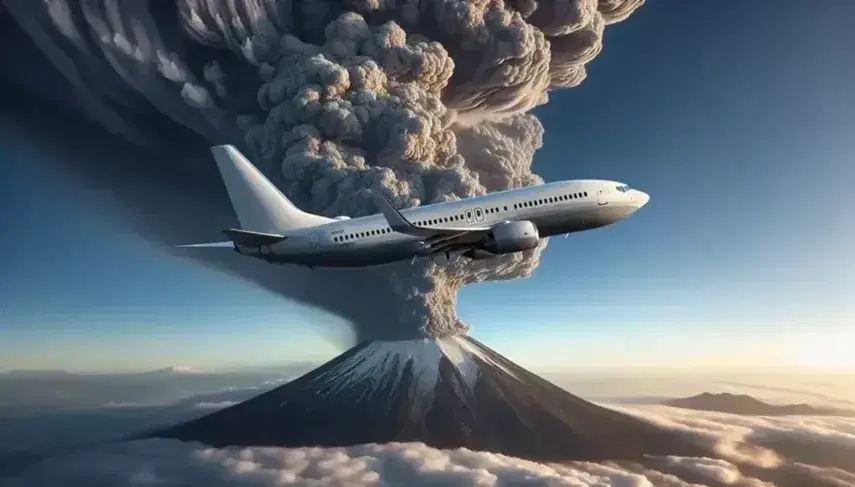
{"x": 422, "y": 100}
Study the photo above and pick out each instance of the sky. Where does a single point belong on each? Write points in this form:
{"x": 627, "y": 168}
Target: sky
{"x": 736, "y": 118}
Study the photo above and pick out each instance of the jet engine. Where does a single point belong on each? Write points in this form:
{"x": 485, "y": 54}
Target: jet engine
{"x": 508, "y": 237}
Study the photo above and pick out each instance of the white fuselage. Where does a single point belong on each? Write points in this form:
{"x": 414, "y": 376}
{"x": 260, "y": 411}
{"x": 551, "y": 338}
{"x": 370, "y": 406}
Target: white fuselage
{"x": 554, "y": 208}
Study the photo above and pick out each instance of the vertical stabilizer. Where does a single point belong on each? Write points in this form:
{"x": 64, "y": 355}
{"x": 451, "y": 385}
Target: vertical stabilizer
{"x": 259, "y": 205}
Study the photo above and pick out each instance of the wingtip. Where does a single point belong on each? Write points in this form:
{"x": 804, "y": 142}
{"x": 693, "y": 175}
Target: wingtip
{"x": 222, "y": 147}
{"x": 386, "y": 199}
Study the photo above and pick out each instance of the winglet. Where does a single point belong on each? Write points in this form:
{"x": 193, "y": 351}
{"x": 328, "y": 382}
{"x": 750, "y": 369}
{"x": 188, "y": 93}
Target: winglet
{"x": 394, "y": 218}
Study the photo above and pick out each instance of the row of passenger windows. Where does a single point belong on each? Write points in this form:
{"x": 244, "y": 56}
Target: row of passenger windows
{"x": 551, "y": 199}
{"x": 463, "y": 216}
{"x": 369, "y": 233}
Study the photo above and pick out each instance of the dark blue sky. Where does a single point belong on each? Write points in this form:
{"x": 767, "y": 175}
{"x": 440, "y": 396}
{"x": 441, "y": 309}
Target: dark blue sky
{"x": 736, "y": 117}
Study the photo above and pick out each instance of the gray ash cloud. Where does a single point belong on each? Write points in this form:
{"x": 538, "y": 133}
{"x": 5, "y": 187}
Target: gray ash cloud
{"x": 425, "y": 101}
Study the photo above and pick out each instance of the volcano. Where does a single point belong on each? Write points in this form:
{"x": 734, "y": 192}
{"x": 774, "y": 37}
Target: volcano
{"x": 447, "y": 393}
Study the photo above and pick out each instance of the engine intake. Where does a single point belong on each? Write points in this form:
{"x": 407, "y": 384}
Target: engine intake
{"x": 511, "y": 237}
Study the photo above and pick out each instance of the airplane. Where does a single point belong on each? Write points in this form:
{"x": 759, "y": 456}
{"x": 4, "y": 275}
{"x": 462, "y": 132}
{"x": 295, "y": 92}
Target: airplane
{"x": 273, "y": 229}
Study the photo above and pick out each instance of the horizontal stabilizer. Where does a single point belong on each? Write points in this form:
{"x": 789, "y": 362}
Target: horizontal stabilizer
{"x": 245, "y": 238}
{"x": 242, "y": 238}
{"x": 227, "y": 244}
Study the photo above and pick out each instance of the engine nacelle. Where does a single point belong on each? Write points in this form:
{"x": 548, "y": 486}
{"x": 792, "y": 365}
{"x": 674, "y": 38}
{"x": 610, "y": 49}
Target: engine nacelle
{"x": 509, "y": 237}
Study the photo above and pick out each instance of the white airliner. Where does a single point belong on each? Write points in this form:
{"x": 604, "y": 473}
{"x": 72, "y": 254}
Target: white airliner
{"x": 482, "y": 227}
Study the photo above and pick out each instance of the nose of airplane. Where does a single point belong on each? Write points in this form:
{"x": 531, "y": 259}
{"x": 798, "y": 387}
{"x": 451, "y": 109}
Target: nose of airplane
{"x": 640, "y": 198}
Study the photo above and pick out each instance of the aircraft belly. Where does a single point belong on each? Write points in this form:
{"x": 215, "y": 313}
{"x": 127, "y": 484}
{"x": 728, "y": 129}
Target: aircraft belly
{"x": 358, "y": 255}
{"x": 586, "y": 218}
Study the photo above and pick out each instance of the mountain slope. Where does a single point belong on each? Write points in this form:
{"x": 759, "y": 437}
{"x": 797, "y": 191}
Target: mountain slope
{"x": 447, "y": 393}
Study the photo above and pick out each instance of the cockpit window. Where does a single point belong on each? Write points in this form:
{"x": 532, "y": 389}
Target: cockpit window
{"x": 623, "y": 189}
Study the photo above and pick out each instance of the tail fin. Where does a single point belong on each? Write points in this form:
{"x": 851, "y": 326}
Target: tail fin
{"x": 259, "y": 205}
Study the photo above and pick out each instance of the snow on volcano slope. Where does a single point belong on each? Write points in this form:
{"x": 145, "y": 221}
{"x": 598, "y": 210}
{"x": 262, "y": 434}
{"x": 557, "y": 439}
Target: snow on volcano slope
{"x": 447, "y": 393}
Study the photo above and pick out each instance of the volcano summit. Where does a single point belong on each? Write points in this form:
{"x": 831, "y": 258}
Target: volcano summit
{"x": 448, "y": 393}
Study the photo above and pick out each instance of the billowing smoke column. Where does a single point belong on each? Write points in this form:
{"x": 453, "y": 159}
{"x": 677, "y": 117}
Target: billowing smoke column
{"x": 423, "y": 100}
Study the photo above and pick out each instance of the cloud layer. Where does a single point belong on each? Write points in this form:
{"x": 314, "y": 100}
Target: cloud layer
{"x": 747, "y": 448}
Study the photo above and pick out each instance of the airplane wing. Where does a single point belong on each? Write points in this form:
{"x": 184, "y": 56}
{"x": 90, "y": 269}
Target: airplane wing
{"x": 436, "y": 239}
{"x": 400, "y": 224}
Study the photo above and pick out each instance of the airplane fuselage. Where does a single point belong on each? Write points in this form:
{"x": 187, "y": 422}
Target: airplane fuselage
{"x": 553, "y": 208}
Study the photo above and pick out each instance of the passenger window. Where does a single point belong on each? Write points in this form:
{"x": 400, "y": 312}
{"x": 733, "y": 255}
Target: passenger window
{"x": 586, "y": 194}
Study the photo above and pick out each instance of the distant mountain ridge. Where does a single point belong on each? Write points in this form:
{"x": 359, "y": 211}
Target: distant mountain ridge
{"x": 746, "y": 405}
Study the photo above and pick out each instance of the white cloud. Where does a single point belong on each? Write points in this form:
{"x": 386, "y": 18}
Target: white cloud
{"x": 735, "y": 439}
{"x": 170, "y": 462}
{"x": 133, "y": 405}
{"x": 748, "y": 438}
{"x": 215, "y": 405}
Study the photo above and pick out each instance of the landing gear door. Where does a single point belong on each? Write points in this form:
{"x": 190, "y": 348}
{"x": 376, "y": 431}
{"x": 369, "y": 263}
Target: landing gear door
{"x": 601, "y": 196}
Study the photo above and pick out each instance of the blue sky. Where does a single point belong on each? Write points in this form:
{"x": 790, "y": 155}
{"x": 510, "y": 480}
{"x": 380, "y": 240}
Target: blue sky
{"x": 736, "y": 119}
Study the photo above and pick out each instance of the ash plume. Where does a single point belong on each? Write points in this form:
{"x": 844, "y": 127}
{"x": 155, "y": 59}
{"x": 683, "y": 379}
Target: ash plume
{"x": 422, "y": 100}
